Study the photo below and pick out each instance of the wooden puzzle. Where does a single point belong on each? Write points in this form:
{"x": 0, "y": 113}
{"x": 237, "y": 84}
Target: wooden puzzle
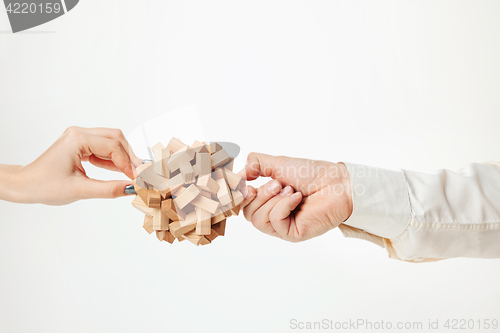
{"x": 188, "y": 192}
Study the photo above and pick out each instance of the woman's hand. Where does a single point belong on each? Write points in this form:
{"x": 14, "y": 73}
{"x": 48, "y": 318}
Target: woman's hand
{"x": 57, "y": 177}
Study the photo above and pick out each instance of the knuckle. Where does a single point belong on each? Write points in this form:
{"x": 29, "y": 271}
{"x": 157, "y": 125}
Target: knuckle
{"x": 117, "y": 133}
{"x": 72, "y": 133}
{"x": 113, "y": 192}
{"x": 70, "y": 130}
{"x": 273, "y": 217}
{"x": 115, "y": 145}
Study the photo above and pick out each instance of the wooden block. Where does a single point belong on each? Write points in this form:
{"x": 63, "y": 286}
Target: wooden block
{"x": 203, "y": 164}
{"x": 177, "y": 230}
{"x": 160, "y": 234}
{"x": 164, "y": 162}
{"x": 168, "y": 237}
{"x": 158, "y": 157}
{"x": 197, "y": 146}
{"x": 203, "y": 224}
{"x": 205, "y": 203}
{"x": 204, "y": 241}
{"x": 205, "y": 193}
{"x": 160, "y": 221}
{"x": 226, "y": 210}
{"x": 230, "y": 165}
{"x": 235, "y": 210}
{"x": 220, "y": 158}
{"x": 175, "y": 145}
{"x": 207, "y": 183}
{"x": 190, "y": 219}
{"x": 179, "y": 191}
{"x": 168, "y": 209}
{"x": 150, "y": 177}
{"x": 232, "y": 179}
{"x": 213, "y": 235}
{"x": 218, "y": 216}
{"x": 183, "y": 155}
{"x": 220, "y": 227}
{"x": 143, "y": 167}
{"x": 146, "y": 173}
{"x": 237, "y": 198}
{"x": 159, "y": 169}
{"x": 154, "y": 199}
{"x": 175, "y": 183}
{"x": 223, "y": 194}
{"x": 141, "y": 205}
{"x": 204, "y": 150}
{"x": 140, "y": 189}
{"x": 187, "y": 172}
{"x": 214, "y": 147}
{"x": 218, "y": 173}
{"x": 192, "y": 237}
{"x": 148, "y": 224}
{"x": 187, "y": 196}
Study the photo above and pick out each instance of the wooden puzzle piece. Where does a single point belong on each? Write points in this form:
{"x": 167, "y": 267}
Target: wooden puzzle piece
{"x": 203, "y": 163}
{"x": 187, "y": 172}
{"x": 224, "y": 194}
{"x": 203, "y": 224}
{"x": 148, "y": 224}
{"x": 154, "y": 199}
{"x": 220, "y": 158}
{"x": 187, "y": 196}
{"x": 168, "y": 209}
{"x": 205, "y": 203}
{"x": 175, "y": 145}
{"x": 183, "y": 155}
{"x": 160, "y": 220}
{"x": 220, "y": 228}
{"x": 233, "y": 180}
{"x": 141, "y": 205}
{"x": 207, "y": 183}
{"x": 192, "y": 237}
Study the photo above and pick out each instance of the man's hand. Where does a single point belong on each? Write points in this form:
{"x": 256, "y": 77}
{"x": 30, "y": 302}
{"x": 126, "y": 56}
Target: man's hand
{"x": 57, "y": 177}
{"x": 305, "y": 199}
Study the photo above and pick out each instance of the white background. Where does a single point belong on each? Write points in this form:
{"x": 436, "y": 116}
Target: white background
{"x": 395, "y": 84}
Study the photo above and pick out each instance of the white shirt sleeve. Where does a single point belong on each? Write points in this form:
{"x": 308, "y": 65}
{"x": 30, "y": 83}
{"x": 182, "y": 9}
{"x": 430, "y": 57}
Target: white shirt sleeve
{"x": 424, "y": 217}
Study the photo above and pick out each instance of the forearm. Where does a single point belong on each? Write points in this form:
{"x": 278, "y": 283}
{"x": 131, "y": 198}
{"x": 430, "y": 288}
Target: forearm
{"x": 10, "y": 182}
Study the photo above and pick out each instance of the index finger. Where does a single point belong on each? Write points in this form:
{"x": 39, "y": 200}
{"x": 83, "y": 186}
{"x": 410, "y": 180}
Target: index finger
{"x": 115, "y": 134}
{"x": 261, "y": 165}
{"x": 109, "y": 149}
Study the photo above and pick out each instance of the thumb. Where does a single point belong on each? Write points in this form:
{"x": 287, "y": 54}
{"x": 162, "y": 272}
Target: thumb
{"x": 260, "y": 165}
{"x": 91, "y": 188}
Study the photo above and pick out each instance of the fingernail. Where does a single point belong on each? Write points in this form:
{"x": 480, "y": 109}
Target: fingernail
{"x": 129, "y": 189}
{"x": 245, "y": 192}
{"x": 273, "y": 186}
{"x": 296, "y": 195}
{"x": 286, "y": 191}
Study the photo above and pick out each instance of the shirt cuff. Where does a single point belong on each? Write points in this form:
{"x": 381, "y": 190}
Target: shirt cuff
{"x": 381, "y": 204}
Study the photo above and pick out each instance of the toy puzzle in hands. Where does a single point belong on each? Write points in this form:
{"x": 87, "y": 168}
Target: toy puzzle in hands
{"x": 188, "y": 192}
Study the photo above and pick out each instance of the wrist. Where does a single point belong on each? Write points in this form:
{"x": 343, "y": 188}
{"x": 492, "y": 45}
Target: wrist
{"x": 347, "y": 190}
{"x": 11, "y": 182}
